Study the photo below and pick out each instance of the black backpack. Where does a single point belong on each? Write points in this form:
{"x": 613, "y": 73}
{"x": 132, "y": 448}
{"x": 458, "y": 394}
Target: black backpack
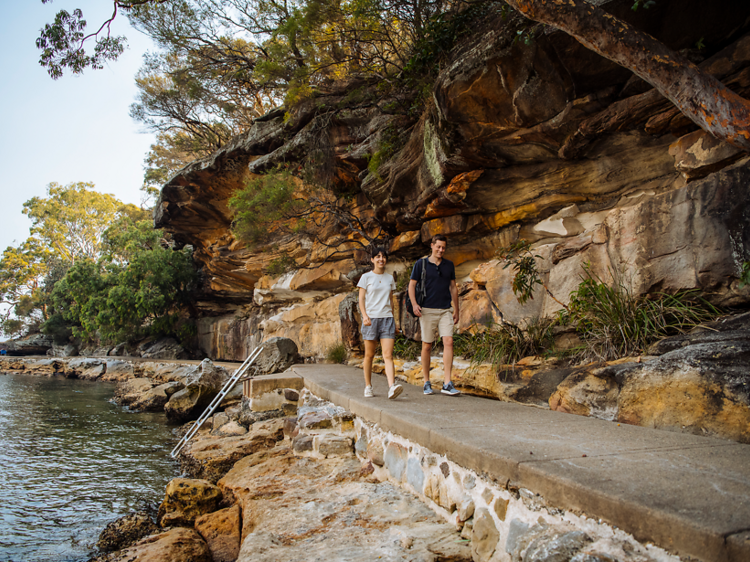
{"x": 420, "y": 291}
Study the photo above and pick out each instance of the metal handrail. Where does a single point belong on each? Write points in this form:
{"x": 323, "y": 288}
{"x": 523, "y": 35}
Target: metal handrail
{"x": 217, "y": 400}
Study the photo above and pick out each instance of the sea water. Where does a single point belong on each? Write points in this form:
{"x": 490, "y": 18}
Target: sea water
{"x": 71, "y": 462}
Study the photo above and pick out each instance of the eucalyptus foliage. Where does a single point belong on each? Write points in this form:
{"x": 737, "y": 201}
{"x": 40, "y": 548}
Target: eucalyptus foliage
{"x": 140, "y": 287}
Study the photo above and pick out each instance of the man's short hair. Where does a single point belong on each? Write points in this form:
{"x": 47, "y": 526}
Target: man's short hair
{"x": 439, "y": 238}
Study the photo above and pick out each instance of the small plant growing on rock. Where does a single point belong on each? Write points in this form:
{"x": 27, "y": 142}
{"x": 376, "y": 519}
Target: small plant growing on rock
{"x": 506, "y": 343}
{"x": 615, "y": 323}
{"x": 337, "y": 353}
{"x": 406, "y": 349}
{"x": 281, "y": 265}
{"x": 745, "y": 274}
{"x": 527, "y": 276}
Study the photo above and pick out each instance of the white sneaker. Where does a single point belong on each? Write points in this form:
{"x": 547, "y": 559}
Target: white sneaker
{"x": 368, "y": 392}
{"x": 394, "y": 391}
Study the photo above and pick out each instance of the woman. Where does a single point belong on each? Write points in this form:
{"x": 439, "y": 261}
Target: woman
{"x": 376, "y": 304}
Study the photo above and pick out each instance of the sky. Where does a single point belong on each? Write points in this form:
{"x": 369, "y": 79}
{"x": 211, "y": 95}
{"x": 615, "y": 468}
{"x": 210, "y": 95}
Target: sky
{"x": 74, "y": 129}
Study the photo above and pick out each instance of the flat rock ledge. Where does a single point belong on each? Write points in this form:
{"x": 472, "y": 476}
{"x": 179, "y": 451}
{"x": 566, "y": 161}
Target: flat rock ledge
{"x": 325, "y": 485}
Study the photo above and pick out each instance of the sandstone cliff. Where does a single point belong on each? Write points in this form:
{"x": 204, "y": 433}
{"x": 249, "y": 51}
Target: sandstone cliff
{"x": 543, "y": 141}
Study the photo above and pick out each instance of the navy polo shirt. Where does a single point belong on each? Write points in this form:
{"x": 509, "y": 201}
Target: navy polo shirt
{"x": 438, "y": 281}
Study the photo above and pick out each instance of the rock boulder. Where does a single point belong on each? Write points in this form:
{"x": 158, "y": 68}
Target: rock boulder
{"x": 201, "y": 387}
{"x": 162, "y": 348}
{"x": 187, "y": 499}
{"x": 32, "y": 344}
{"x": 174, "y": 545}
{"x": 132, "y": 390}
{"x": 127, "y": 530}
{"x": 221, "y": 531}
{"x": 278, "y": 354}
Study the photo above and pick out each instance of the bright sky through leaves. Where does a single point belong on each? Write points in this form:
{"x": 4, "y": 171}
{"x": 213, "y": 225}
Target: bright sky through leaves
{"x": 75, "y": 129}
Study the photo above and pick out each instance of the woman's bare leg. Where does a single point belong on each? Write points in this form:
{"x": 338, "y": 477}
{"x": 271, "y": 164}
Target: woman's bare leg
{"x": 390, "y": 371}
{"x": 370, "y": 347}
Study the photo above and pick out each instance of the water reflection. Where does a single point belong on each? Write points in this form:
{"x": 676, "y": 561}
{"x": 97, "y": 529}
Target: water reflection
{"x": 71, "y": 462}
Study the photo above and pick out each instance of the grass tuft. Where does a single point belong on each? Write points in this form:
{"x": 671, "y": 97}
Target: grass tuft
{"x": 615, "y": 323}
{"x": 337, "y": 353}
{"x": 505, "y": 344}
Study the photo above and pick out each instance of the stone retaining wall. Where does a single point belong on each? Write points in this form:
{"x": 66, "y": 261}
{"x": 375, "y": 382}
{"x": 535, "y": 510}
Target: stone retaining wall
{"x": 502, "y": 522}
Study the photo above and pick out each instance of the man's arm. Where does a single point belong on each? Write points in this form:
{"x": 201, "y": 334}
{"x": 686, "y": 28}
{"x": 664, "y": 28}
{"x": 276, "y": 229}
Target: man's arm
{"x": 413, "y": 297}
{"x": 454, "y": 300}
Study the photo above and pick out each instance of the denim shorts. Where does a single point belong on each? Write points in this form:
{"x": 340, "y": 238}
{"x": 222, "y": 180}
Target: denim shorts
{"x": 381, "y": 328}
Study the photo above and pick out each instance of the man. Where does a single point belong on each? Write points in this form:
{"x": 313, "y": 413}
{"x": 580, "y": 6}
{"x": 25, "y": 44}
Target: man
{"x": 435, "y": 313}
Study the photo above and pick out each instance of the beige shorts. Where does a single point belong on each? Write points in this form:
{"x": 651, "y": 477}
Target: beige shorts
{"x": 436, "y": 320}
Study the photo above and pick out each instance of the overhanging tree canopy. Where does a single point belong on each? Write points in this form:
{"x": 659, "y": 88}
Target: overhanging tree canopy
{"x": 292, "y": 42}
{"x": 700, "y": 96}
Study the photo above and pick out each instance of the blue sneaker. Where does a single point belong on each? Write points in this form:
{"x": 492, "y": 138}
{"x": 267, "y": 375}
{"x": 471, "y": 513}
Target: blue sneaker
{"x": 450, "y": 390}
{"x": 428, "y": 388}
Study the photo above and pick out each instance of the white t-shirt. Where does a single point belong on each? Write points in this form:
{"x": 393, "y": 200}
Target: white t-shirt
{"x": 378, "y": 294}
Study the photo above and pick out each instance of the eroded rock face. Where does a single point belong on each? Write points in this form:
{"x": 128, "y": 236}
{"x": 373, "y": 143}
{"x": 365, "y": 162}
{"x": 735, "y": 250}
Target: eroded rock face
{"x": 699, "y": 385}
{"x": 162, "y": 348}
{"x": 221, "y": 531}
{"x": 132, "y": 390}
{"x": 127, "y": 530}
{"x": 86, "y": 368}
{"x": 599, "y": 168}
{"x": 702, "y": 389}
{"x": 174, "y": 545}
{"x": 209, "y": 456}
{"x": 201, "y": 387}
{"x": 187, "y": 499}
{"x": 32, "y": 344}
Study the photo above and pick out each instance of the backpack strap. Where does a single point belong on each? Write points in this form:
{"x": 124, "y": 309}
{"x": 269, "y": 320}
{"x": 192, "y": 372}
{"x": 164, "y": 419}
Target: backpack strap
{"x": 423, "y": 287}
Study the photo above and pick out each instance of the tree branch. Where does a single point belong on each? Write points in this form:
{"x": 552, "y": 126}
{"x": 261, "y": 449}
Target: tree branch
{"x": 700, "y": 96}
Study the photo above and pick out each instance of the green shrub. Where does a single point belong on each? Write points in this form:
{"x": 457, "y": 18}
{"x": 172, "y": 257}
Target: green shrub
{"x": 264, "y": 200}
{"x": 406, "y": 349}
{"x": 505, "y": 344}
{"x": 281, "y": 265}
{"x": 337, "y": 353}
{"x": 615, "y": 323}
{"x": 392, "y": 139}
{"x": 745, "y": 274}
{"x": 403, "y": 280}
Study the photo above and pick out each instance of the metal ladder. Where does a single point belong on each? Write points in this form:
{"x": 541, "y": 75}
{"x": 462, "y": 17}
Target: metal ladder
{"x": 234, "y": 379}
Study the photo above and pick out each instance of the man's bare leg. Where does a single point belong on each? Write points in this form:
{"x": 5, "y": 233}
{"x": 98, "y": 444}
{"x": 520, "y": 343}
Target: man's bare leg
{"x": 447, "y": 358}
{"x": 426, "y": 349}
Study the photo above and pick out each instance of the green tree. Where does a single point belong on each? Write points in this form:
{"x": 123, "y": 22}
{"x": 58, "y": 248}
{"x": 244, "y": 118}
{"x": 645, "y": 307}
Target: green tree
{"x": 71, "y": 221}
{"x": 170, "y": 153}
{"x": 63, "y": 41}
{"x": 279, "y": 203}
{"x": 22, "y": 272}
{"x": 140, "y": 286}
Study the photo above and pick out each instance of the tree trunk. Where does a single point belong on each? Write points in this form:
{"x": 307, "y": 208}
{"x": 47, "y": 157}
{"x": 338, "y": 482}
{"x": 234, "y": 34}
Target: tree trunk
{"x": 700, "y": 96}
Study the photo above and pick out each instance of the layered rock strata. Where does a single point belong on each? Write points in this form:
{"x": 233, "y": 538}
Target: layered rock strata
{"x": 545, "y": 141}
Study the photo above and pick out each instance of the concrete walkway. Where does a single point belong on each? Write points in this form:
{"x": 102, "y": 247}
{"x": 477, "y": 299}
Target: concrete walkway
{"x": 685, "y": 493}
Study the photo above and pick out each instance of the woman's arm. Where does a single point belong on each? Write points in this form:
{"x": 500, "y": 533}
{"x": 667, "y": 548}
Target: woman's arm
{"x": 393, "y": 309}
{"x": 362, "y": 310}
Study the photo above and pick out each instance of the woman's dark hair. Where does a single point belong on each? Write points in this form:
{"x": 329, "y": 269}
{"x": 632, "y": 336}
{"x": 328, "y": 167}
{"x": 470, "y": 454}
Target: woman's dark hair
{"x": 375, "y": 250}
